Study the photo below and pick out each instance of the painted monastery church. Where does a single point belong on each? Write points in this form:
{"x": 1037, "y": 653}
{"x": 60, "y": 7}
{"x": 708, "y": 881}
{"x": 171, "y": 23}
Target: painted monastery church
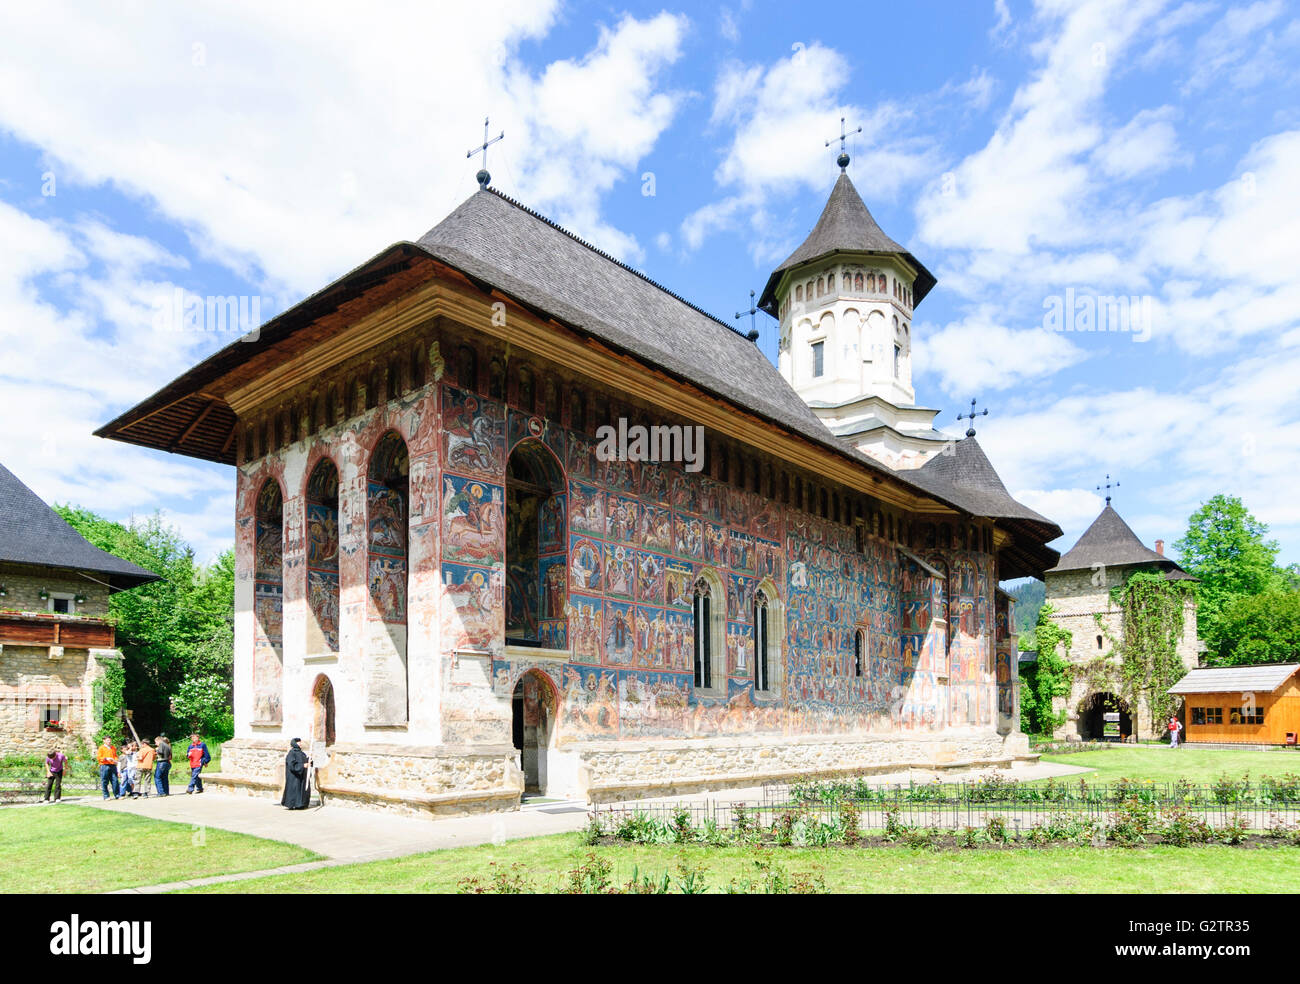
{"x": 447, "y": 589}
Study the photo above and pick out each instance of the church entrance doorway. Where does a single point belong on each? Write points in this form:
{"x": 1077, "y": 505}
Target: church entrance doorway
{"x": 1104, "y": 716}
{"x": 536, "y": 548}
{"x": 532, "y": 728}
{"x": 322, "y": 721}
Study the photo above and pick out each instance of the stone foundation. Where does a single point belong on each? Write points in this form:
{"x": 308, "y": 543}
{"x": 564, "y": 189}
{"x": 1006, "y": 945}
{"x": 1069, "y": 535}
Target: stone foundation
{"x": 459, "y": 780}
{"x": 443, "y": 780}
{"x": 633, "y": 770}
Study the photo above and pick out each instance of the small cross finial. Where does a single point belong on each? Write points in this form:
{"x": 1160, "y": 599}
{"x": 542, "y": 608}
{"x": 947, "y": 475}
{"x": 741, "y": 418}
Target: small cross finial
{"x": 970, "y": 431}
{"x": 1108, "y": 486}
{"x": 752, "y": 335}
{"x": 483, "y": 177}
{"x": 843, "y": 159}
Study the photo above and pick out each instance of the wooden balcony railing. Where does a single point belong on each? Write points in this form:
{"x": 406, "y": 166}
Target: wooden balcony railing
{"x": 52, "y": 629}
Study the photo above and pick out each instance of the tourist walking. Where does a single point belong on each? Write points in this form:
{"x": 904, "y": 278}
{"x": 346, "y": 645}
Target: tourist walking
{"x": 106, "y": 756}
{"x": 163, "y": 768}
{"x": 1175, "y": 731}
{"x": 55, "y": 763}
{"x": 198, "y": 757}
{"x": 125, "y": 762}
{"x": 144, "y": 762}
{"x": 296, "y": 794}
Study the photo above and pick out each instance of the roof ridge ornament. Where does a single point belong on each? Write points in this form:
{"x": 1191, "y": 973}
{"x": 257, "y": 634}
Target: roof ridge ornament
{"x": 1108, "y": 486}
{"x": 970, "y": 431}
{"x": 483, "y": 177}
{"x": 752, "y": 334}
{"x": 843, "y": 159}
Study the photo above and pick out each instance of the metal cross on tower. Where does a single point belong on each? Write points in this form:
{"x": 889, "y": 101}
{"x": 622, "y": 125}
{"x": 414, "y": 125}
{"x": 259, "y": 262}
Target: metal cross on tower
{"x": 1108, "y": 486}
{"x": 483, "y": 176}
{"x": 843, "y": 159}
{"x": 752, "y": 335}
{"x": 970, "y": 431}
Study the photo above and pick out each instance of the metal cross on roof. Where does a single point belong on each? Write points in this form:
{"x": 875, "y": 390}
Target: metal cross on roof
{"x": 970, "y": 431}
{"x": 843, "y": 159}
{"x": 753, "y": 310}
{"x": 1108, "y": 486}
{"x": 483, "y": 176}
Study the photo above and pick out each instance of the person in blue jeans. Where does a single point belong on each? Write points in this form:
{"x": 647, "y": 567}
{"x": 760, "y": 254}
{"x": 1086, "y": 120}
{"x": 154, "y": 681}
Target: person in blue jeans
{"x": 163, "y": 767}
{"x": 199, "y": 757}
{"x": 106, "y": 755}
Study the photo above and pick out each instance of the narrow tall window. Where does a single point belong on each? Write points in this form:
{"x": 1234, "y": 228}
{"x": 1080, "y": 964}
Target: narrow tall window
{"x": 817, "y": 358}
{"x": 760, "y": 642}
{"x": 703, "y": 637}
{"x": 898, "y": 355}
{"x": 857, "y": 653}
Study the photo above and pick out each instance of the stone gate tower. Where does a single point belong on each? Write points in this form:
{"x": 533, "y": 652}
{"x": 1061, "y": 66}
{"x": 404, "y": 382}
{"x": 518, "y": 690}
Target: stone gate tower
{"x": 845, "y": 299}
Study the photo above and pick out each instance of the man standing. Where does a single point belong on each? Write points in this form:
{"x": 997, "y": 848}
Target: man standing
{"x": 107, "y": 758}
{"x": 162, "y": 771}
{"x": 144, "y": 761}
{"x": 55, "y": 763}
{"x": 199, "y": 757}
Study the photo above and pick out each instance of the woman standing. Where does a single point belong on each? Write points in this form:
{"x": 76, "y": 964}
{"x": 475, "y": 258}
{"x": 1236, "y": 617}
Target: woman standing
{"x": 296, "y": 794}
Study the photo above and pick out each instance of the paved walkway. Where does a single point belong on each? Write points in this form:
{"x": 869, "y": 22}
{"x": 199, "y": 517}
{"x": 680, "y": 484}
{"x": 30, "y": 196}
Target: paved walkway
{"x": 348, "y": 835}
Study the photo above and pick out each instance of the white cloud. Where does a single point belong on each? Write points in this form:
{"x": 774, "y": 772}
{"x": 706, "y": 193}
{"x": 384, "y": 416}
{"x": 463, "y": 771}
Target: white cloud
{"x": 1071, "y": 509}
{"x": 288, "y": 156}
{"x": 981, "y": 352}
{"x": 1147, "y": 144}
{"x": 1227, "y": 47}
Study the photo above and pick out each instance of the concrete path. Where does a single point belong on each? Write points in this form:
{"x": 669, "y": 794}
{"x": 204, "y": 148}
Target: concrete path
{"x": 347, "y": 835}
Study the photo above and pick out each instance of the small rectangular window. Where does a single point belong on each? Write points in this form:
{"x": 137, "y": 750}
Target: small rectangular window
{"x": 898, "y": 355}
{"x": 817, "y": 359}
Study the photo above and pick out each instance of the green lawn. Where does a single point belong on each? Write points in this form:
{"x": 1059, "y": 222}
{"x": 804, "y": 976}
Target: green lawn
{"x": 67, "y": 849}
{"x": 546, "y": 860}
{"x": 1159, "y": 763}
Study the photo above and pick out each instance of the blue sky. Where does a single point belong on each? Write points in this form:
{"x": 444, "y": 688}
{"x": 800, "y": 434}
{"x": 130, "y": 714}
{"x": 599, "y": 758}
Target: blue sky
{"x": 1144, "y": 148}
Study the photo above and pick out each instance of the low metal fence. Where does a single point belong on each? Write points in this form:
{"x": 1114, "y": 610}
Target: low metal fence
{"x": 1264, "y": 793}
{"x": 951, "y": 815}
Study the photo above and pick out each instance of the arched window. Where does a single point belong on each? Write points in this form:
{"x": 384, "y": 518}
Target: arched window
{"x": 268, "y": 604}
{"x": 394, "y": 388}
{"x": 466, "y": 368}
{"x": 762, "y": 652}
{"x": 798, "y": 292}
{"x": 769, "y": 631}
{"x": 536, "y": 548}
{"x": 703, "y": 621}
{"x": 830, "y": 283}
{"x": 1099, "y": 643}
{"x": 551, "y": 401}
{"x": 577, "y": 411}
{"x": 322, "y": 523}
{"x": 857, "y": 282}
{"x": 527, "y": 395}
{"x": 496, "y": 380}
{"x": 821, "y": 286}
{"x": 387, "y": 511}
{"x": 859, "y": 652}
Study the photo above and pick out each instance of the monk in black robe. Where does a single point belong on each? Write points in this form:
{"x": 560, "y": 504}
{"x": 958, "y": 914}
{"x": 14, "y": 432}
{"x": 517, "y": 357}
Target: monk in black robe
{"x": 296, "y": 794}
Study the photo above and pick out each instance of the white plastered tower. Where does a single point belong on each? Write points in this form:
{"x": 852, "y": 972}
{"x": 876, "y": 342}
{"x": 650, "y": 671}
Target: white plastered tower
{"x": 845, "y": 300}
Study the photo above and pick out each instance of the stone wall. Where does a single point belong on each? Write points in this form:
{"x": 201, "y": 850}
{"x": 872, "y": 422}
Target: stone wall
{"x": 30, "y": 681}
{"x": 1080, "y": 598}
{"x": 629, "y": 770}
{"x": 23, "y": 585}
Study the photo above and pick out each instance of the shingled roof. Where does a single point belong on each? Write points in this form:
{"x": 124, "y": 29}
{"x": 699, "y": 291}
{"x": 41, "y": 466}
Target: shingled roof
{"x": 1110, "y": 543}
{"x": 968, "y": 477}
{"x": 33, "y": 533}
{"x": 846, "y": 225}
{"x": 504, "y": 246}
{"x": 1261, "y": 678}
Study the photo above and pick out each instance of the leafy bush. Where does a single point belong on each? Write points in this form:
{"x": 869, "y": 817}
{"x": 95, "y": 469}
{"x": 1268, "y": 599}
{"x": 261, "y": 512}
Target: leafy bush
{"x": 499, "y": 881}
{"x": 1234, "y": 831}
{"x": 850, "y": 822}
{"x": 995, "y": 829}
{"x": 593, "y": 831}
{"x": 589, "y": 877}
{"x": 1182, "y": 828}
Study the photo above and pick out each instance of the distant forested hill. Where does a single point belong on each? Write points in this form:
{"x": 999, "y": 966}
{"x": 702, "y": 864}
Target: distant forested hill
{"x": 1029, "y": 598}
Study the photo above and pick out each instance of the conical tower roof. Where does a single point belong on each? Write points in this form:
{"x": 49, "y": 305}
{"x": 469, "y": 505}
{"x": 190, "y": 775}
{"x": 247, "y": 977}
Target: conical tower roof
{"x": 846, "y": 226}
{"x": 1110, "y": 542}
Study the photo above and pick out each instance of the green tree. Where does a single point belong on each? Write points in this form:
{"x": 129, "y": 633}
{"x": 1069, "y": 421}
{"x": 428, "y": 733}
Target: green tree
{"x": 1225, "y": 548}
{"x": 170, "y": 630}
{"x": 1153, "y": 609}
{"x": 1045, "y": 679}
{"x": 1261, "y": 628}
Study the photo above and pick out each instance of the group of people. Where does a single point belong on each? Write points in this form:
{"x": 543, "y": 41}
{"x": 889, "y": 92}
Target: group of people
{"x": 140, "y": 764}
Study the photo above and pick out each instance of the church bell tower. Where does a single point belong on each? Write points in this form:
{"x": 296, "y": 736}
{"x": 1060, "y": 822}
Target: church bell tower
{"x": 845, "y": 299}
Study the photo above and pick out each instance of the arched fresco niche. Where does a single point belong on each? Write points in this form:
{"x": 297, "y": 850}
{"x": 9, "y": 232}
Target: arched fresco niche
{"x": 536, "y": 548}
{"x": 387, "y": 499}
{"x": 268, "y": 605}
{"x": 323, "y": 559}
